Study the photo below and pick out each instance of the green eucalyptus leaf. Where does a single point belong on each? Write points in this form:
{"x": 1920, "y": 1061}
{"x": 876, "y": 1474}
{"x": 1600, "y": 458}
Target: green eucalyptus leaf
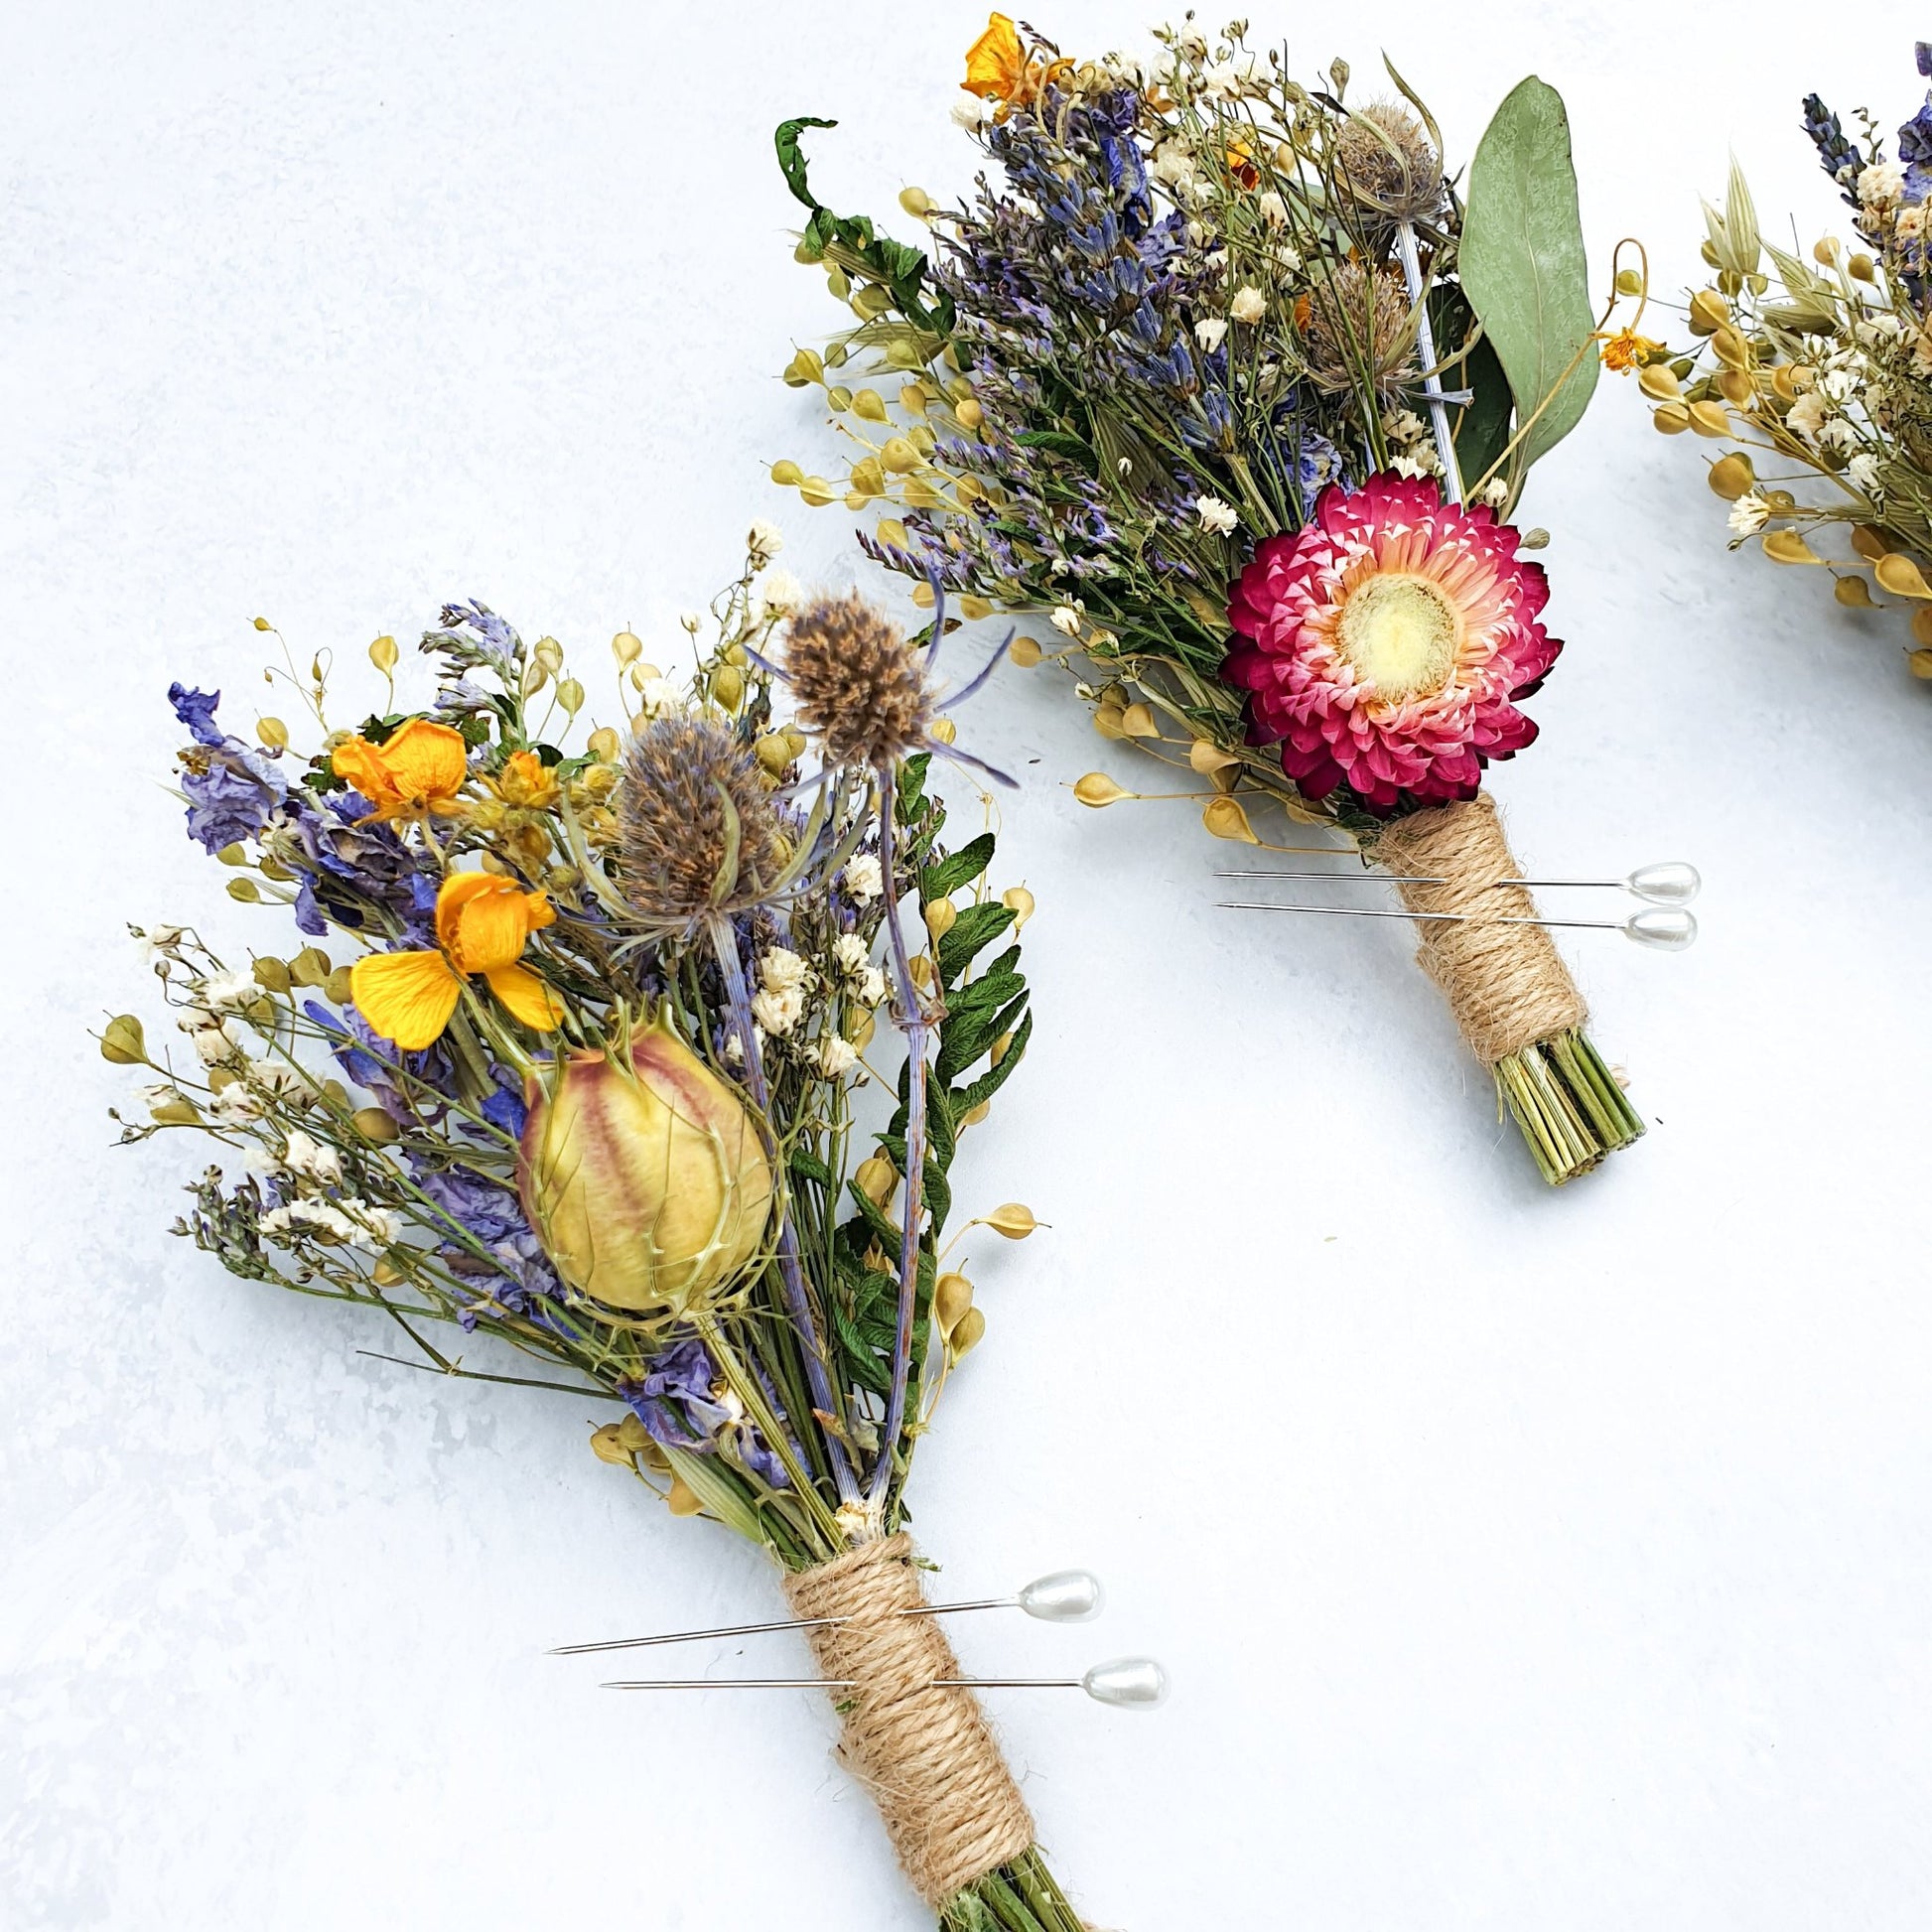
{"x": 1523, "y": 266}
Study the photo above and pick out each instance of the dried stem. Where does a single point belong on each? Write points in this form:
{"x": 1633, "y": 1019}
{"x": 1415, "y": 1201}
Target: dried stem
{"x": 799, "y": 1304}
{"x": 913, "y": 1024}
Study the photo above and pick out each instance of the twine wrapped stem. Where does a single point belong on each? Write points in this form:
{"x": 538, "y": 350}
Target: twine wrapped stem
{"x": 1512, "y": 996}
{"x": 926, "y": 1755}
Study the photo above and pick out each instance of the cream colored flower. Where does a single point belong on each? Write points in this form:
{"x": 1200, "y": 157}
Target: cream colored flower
{"x": 1249, "y": 306}
{"x": 1216, "y": 514}
{"x": 1210, "y": 330}
{"x": 862, "y": 878}
{"x": 1748, "y": 514}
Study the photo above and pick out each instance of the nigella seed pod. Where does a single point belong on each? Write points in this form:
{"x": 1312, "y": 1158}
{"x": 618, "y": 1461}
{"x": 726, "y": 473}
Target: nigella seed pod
{"x": 644, "y": 1176}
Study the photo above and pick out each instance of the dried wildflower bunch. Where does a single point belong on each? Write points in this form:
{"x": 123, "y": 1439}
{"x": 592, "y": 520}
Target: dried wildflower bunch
{"x": 1821, "y": 382}
{"x": 567, "y": 1035}
{"x": 1216, "y": 374}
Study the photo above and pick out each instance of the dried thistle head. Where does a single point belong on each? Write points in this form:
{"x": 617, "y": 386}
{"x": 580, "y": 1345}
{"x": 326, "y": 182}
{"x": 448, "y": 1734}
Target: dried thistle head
{"x": 1356, "y": 327}
{"x": 861, "y": 687}
{"x": 1384, "y": 160}
{"x": 685, "y": 780}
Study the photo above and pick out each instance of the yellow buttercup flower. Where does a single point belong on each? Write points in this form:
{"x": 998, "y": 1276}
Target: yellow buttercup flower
{"x": 417, "y": 769}
{"x": 526, "y": 781}
{"x": 482, "y": 925}
{"x": 1627, "y": 351}
{"x": 997, "y": 67}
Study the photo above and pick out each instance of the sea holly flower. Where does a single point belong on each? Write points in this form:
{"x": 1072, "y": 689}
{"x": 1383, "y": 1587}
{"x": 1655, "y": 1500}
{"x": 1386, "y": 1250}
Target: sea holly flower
{"x": 482, "y": 923}
{"x": 1386, "y": 642}
{"x": 416, "y": 771}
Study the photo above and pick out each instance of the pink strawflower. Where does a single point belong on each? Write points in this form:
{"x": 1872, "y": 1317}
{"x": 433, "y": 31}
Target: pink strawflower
{"x": 1385, "y": 642}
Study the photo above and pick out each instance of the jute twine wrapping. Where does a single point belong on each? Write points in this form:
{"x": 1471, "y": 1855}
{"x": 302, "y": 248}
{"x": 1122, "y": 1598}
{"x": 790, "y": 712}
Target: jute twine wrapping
{"x": 926, "y": 1757}
{"x": 1507, "y": 985}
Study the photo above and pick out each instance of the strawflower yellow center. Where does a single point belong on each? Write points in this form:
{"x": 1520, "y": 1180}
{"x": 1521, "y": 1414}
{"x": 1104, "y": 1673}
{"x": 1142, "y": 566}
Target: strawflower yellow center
{"x": 1400, "y": 634}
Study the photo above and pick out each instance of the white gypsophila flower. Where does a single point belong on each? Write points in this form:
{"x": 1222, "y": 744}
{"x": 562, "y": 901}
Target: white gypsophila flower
{"x": 777, "y": 1011}
{"x": 1838, "y": 435}
{"x": 310, "y": 1160}
{"x": 1864, "y": 473}
{"x": 1200, "y": 234}
{"x": 1066, "y": 618}
{"x": 763, "y": 540}
{"x": 1495, "y": 493}
{"x": 1172, "y": 166}
{"x": 384, "y": 1224}
{"x": 660, "y": 695}
{"x": 321, "y": 1218}
{"x": 735, "y": 1047}
{"x": 781, "y": 969}
{"x": 1215, "y": 259}
{"x": 862, "y": 878}
{"x": 1909, "y": 223}
{"x": 1403, "y": 426}
{"x": 230, "y": 992}
{"x": 1838, "y": 385}
{"x": 1882, "y": 185}
{"x": 277, "y": 1077}
{"x": 213, "y": 1045}
{"x": 160, "y": 1093}
{"x": 1248, "y": 306}
{"x": 971, "y": 111}
{"x": 1216, "y": 514}
{"x": 234, "y": 1105}
{"x": 1274, "y": 211}
{"x": 870, "y": 987}
{"x": 1420, "y": 462}
{"x": 691, "y": 621}
{"x": 851, "y": 954}
{"x": 1881, "y": 327}
{"x": 779, "y": 592}
{"x": 836, "y": 1056}
{"x": 1229, "y": 79}
{"x": 1210, "y": 330}
{"x": 1806, "y": 416}
{"x": 1748, "y": 513}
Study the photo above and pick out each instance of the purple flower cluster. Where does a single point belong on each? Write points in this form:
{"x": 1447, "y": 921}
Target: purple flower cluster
{"x": 681, "y": 1400}
{"x": 232, "y": 789}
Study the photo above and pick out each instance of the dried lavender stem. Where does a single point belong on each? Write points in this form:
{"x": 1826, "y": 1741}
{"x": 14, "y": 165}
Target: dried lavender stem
{"x": 723, "y": 943}
{"x": 913, "y": 1024}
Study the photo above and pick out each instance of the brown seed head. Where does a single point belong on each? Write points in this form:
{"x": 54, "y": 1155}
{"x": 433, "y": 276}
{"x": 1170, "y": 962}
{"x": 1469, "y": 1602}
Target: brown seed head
{"x": 672, "y": 819}
{"x": 1384, "y": 160}
{"x": 1357, "y": 328}
{"x": 859, "y": 686}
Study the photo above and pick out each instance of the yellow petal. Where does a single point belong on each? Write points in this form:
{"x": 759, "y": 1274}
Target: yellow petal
{"x": 425, "y": 761}
{"x": 994, "y": 66}
{"x": 406, "y": 997}
{"x": 526, "y": 996}
{"x": 360, "y": 763}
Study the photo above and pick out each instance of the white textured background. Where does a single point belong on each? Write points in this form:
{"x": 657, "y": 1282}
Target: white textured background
{"x": 1523, "y": 1560}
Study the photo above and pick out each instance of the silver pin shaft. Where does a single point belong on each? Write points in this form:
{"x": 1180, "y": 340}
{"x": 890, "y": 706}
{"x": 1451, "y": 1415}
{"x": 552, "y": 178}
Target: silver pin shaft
{"x": 837, "y": 1684}
{"x": 1415, "y": 879}
{"x": 758, "y": 1630}
{"x": 1379, "y": 912}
